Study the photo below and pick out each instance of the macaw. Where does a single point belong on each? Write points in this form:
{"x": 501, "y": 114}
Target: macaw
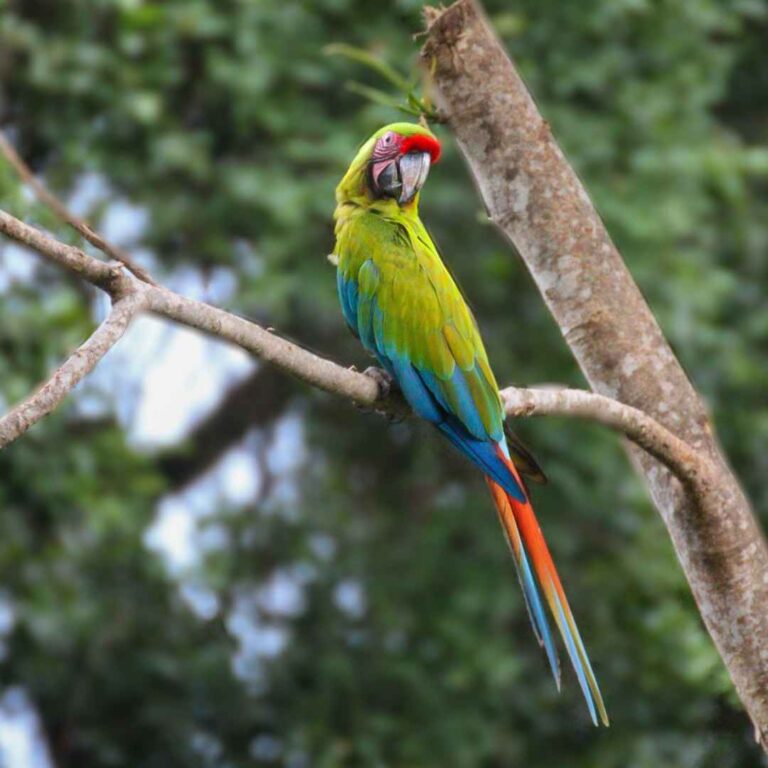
{"x": 399, "y": 299}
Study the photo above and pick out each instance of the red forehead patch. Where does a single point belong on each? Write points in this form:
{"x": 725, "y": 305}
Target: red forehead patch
{"x": 421, "y": 143}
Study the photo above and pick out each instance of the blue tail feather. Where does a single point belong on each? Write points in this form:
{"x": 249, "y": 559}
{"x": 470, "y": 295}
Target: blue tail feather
{"x": 538, "y": 616}
{"x": 575, "y": 657}
{"x": 483, "y": 454}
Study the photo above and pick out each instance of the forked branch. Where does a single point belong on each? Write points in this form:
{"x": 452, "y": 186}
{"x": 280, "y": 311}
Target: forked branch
{"x": 71, "y": 372}
{"x": 45, "y": 196}
{"x": 133, "y": 296}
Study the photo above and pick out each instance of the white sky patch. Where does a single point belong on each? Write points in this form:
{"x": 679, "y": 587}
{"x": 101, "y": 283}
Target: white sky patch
{"x": 124, "y": 223}
{"x": 238, "y": 476}
{"x": 234, "y": 482}
{"x": 259, "y": 640}
{"x": 184, "y": 382}
{"x": 90, "y": 189}
{"x": 202, "y": 600}
{"x": 260, "y": 619}
{"x": 266, "y": 748}
{"x": 185, "y": 530}
{"x": 283, "y": 594}
{"x": 287, "y": 453}
{"x": 21, "y": 738}
{"x": 349, "y": 597}
{"x": 323, "y": 546}
{"x": 172, "y": 534}
{"x": 17, "y": 265}
{"x": 285, "y": 458}
{"x": 161, "y": 379}
{"x": 177, "y": 534}
{"x": 216, "y": 286}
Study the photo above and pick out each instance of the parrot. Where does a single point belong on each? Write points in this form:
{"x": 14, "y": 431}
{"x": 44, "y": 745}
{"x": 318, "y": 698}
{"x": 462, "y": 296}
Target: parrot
{"x": 398, "y": 297}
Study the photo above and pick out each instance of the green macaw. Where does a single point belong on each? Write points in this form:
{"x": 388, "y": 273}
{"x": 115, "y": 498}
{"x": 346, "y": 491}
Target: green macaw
{"x": 400, "y": 300}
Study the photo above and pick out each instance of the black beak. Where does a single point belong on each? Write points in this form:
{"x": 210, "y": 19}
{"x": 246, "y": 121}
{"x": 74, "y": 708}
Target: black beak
{"x": 388, "y": 181}
{"x": 404, "y": 177}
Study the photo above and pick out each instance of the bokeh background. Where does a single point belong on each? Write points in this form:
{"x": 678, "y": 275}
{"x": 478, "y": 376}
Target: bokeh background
{"x": 204, "y": 563}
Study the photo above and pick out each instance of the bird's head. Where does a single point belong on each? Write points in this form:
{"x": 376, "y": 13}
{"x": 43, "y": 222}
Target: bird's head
{"x": 393, "y": 163}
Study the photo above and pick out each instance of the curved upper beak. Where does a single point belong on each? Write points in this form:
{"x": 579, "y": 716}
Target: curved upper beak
{"x": 414, "y": 169}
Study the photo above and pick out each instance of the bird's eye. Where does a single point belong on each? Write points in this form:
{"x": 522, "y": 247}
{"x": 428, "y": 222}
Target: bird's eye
{"x": 387, "y": 138}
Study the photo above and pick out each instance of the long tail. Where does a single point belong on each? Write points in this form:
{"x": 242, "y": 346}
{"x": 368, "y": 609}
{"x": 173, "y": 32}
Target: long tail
{"x": 528, "y": 547}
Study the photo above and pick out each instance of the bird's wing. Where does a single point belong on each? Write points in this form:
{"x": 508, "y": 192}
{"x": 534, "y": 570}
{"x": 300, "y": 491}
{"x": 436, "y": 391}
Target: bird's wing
{"x": 406, "y": 309}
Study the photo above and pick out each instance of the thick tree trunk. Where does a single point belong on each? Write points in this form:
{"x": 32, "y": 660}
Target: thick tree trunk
{"x": 535, "y": 198}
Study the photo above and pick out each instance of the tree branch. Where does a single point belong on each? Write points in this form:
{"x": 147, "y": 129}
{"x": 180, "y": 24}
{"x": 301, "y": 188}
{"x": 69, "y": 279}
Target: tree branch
{"x": 98, "y": 273}
{"x": 301, "y": 363}
{"x": 655, "y": 439}
{"x": 38, "y": 405}
{"x": 48, "y": 198}
{"x": 537, "y": 201}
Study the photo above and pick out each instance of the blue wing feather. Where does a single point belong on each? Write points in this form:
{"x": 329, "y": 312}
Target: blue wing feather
{"x": 482, "y": 453}
{"x": 347, "y": 290}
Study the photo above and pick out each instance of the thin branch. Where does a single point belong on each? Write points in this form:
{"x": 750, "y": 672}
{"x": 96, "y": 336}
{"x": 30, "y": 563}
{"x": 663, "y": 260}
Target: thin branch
{"x": 98, "y": 273}
{"x": 45, "y": 196}
{"x": 38, "y": 405}
{"x": 267, "y": 345}
{"x": 689, "y": 466}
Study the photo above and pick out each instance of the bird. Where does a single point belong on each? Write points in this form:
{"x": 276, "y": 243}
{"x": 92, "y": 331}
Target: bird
{"x": 398, "y": 297}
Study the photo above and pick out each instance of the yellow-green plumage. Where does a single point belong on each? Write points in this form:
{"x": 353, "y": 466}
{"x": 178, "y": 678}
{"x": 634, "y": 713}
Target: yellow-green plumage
{"x": 424, "y": 316}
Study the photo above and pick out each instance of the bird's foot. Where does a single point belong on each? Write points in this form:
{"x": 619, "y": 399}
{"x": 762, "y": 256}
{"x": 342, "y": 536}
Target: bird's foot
{"x": 383, "y": 381}
{"x": 394, "y": 412}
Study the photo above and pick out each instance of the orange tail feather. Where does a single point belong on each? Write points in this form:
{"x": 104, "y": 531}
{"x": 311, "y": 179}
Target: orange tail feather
{"x": 527, "y": 543}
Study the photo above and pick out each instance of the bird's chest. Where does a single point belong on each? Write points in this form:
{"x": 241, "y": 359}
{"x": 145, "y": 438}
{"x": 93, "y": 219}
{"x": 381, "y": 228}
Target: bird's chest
{"x": 363, "y": 236}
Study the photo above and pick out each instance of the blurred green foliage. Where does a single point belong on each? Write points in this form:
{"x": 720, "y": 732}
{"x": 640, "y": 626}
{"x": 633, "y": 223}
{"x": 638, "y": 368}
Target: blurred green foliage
{"x": 409, "y": 646}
